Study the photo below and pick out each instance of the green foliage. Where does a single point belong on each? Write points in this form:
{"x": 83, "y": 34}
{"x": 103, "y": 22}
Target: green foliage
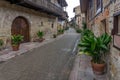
{"x": 60, "y": 31}
{"x": 1, "y": 42}
{"x": 54, "y": 35}
{"x": 84, "y": 25}
{"x": 16, "y": 39}
{"x": 78, "y": 30}
{"x": 86, "y": 32}
{"x": 97, "y": 47}
{"x": 40, "y": 34}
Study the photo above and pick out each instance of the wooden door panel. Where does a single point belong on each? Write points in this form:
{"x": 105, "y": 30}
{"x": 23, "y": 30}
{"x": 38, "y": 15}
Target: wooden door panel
{"x": 21, "y": 26}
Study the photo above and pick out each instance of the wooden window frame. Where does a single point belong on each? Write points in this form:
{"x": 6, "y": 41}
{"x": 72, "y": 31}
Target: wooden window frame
{"x": 115, "y": 31}
{"x": 52, "y": 25}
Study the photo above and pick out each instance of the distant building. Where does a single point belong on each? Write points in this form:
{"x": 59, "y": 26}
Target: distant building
{"x": 79, "y": 17}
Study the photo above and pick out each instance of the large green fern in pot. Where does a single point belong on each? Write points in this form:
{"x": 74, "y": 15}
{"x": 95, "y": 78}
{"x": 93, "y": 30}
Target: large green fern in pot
{"x": 16, "y": 40}
{"x": 40, "y": 34}
{"x": 97, "y": 48}
{"x": 88, "y": 44}
{"x": 102, "y": 46}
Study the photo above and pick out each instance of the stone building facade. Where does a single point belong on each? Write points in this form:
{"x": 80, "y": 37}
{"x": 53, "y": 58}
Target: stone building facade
{"x": 102, "y": 16}
{"x": 27, "y": 18}
{"x": 79, "y": 17}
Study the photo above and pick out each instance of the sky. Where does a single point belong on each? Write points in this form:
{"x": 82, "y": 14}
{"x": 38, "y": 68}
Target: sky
{"x": 71, "y": 5}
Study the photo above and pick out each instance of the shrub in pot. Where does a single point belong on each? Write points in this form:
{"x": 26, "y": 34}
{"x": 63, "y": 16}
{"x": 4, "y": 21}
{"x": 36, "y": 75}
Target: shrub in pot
{"x": 60, "y": 31}
{"x": 86, "y": 32}
{"x": 16, "y": 40}
{"x": 97, "y": 48}
{"x": 1, "y": 43}
{"x": 40, "y": 34}
{"x": 54, "y": 35}
{"x": 78, "y": 30}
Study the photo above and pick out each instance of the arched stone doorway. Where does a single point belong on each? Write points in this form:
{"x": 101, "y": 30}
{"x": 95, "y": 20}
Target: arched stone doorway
{"x": 20, "y": 26}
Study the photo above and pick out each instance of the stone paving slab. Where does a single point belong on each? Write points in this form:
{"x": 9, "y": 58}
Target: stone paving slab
{"x": 7, "y": 54}
{"x": 82, "y": 70}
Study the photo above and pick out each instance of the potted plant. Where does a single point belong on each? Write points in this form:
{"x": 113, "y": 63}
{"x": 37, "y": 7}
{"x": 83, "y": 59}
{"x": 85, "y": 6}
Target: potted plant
{"x": 1, "y": 43}
{"x": 60, "y": 31}
{"x": 54, "y": 35}
{"x": 97, "y": 48}
{"x": 16, "y": 40}
{"x": 40, "y": 34}
{"x": 78, "y": 30}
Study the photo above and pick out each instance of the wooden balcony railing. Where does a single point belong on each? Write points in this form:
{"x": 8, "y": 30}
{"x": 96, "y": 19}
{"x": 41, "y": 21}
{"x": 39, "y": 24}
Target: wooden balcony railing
{"x": 47, "y": 5}
{"x": 41, "y": 5}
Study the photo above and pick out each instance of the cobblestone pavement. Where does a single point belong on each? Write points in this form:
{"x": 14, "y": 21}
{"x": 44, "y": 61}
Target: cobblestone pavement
{"x": 53, "y": 61}
{"x": 82, "y": 70}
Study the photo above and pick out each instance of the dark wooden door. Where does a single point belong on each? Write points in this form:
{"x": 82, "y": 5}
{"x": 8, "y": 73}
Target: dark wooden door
{"x": 20, "y": 26}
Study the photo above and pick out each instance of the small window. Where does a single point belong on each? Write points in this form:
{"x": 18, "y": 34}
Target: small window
{"x": 119, "y": 25}
{"x": 41, "y": 23}
{"x": 116, "y": 29}
{"x": 52, "y": 25}
{"x": 116, "y": 32}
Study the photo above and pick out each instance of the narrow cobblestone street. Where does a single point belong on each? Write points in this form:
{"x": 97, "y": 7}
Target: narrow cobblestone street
{"x": 59, "y": 40}
{"x": 52, "y": 61}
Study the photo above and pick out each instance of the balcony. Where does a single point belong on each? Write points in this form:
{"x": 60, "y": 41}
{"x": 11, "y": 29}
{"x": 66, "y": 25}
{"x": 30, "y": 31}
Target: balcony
{"x": 42, "y": 6}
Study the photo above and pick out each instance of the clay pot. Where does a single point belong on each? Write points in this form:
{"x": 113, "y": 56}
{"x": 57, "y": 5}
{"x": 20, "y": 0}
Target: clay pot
{"x": 15, "y": 47}
{"x": 54, "y": 36}
{"x": 98, "y": 68}
{"x": 41, "y": 39}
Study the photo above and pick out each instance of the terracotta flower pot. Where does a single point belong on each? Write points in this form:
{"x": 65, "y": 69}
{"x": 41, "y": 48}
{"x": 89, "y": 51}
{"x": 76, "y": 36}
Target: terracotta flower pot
{"x": 54, "y": 36}
{"x": 98, "y": 68}
{"x": 15, "y": 47}
{"x": 41, "y": 39}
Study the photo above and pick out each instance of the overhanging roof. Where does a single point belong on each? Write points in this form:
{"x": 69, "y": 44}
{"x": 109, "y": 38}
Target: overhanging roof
{"x": 63, "y": 3}
{"x": 84, "y": 5}
{"x": 50, "y": 8}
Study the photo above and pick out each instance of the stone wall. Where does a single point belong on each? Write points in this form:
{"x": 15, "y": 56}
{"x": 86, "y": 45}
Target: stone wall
{"x": 96, "y": 24}
{"x": 115, "y": 53}
{"x": 8, "y": 12}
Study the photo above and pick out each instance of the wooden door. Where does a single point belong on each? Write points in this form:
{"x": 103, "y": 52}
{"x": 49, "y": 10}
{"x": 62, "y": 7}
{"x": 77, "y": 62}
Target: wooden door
{"x": 20, "y": 26}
